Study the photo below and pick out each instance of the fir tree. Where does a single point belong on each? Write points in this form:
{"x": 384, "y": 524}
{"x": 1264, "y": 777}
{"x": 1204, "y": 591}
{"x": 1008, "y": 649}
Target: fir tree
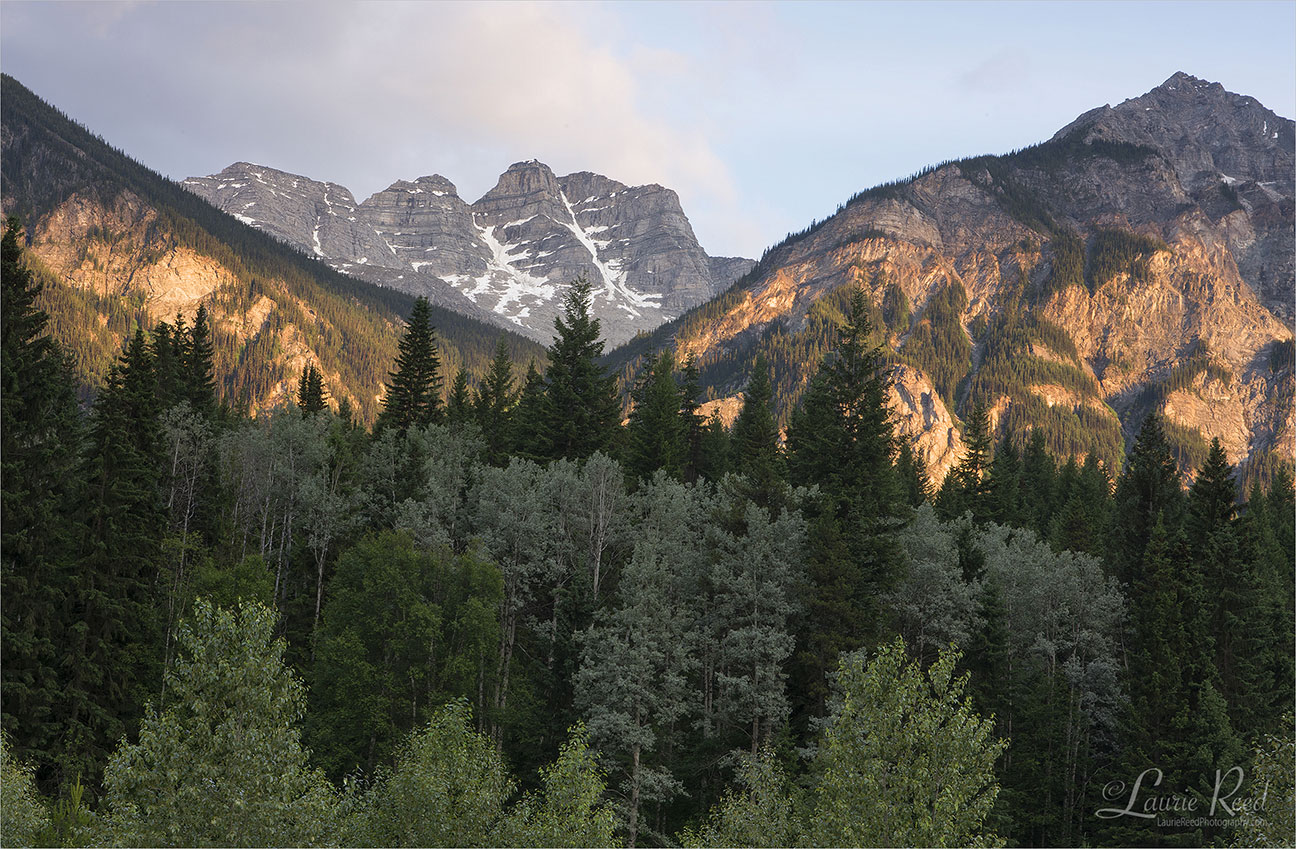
{"x": 310, "y": 390}
{"x": 528, "y": 437}
{"x": 414, "y": 393}
{"x": 496, "y": 398}
{"x": 114, "y": 639}
{"x": 1148, "y": 491}
{"x": 197, "y": 364}
{"x": 754, "y": 448}
{"x": 656, "y": 435}
{"x": 841, "y": 439}
{"x": 459, "y": 409}
{"x": 694, "y": 424}
{"x": 1003, "y": 484}
{"x": 40, "y": 432}
{"x": 581, "y": 413}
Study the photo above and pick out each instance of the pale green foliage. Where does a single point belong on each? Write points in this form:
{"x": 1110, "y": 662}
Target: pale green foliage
{"x": 633, "y": 685}
{"x": 449, "y": 788}
{"x": 568, "y": 811}
{"x": 22, "y": 812}
{"x": 904, "y": 760}
{"x": 439, "y": 516}
{"x": 755, "y": 575}
{"x": 762, "y": 813}
{"x": 933, "y": 606}
{"x": 1273, "y": 774}
{"x": 222, "y": 764}
{"x": 1065, "y": 617}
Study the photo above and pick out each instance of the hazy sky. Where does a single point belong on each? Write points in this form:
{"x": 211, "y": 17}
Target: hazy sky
{"x": 762, "y": 116}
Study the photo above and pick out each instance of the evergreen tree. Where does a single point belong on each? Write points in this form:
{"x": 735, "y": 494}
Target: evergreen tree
{"x": 754, "y": 448}
{"x": 1147, "y": 492}
{"x": 694, "y": 425}
{"x": 841, "y": 439}
{"x": 1039, "y": 478}
{"x": 714, "y": 451}
{"x": 1237, "y": 597}
{"x": 529, "y": 439}
{"x": 1176, "y": 721}
{"x": 459, "y": 410}
{"x": 169, "y": 362}
{"x": 581, "y": 413}
{"x": 310, "y": 390}
{"x": 414, "y": 392}
{"x": 656, "y": 435}
{"x": 912, "y": 473}
{"x": 967, "y": 486}
{"x": 40, "y": 433}
{"x": 197, "y": 364}
{"x": 113, "y": 641}
{"x": 1080, "y": 522}
{"x": 1003, "y": 483}
{"x": 494, "y": 404}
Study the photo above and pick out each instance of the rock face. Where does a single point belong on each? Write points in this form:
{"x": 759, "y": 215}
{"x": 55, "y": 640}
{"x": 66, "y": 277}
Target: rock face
{"x": 1201, "y": 178}
{"x": 510, "y": 256}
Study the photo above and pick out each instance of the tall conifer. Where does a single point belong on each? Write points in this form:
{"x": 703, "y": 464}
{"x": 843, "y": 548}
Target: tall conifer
{"x": 414, "y": 393}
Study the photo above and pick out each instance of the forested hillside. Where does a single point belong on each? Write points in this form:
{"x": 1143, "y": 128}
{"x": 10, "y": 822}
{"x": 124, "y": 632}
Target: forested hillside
{"x": 118, "y": 246}
{"x": 1065, "y": 287}
{"x": 503, "y": 617}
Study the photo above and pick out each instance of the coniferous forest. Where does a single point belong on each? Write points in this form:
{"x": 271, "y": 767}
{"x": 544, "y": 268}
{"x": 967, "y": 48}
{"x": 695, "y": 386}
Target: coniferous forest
{"x": 504, "y": 616}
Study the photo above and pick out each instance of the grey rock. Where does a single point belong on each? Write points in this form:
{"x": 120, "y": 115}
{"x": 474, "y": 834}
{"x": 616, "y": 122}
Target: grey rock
{"x": 509, "y": 257}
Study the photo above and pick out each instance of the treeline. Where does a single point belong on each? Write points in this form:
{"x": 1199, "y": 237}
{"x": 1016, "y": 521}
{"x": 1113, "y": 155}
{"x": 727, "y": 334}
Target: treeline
{"x": 502, "y": 617}
{"x": 346, "y": 323}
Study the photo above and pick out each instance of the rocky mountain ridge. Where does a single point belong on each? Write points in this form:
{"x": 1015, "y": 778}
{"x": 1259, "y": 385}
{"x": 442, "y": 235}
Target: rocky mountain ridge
{"x": 1140, "y": 260}
{"x": 507, "y": 258}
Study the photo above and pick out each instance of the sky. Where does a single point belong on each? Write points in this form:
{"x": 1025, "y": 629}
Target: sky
{"x": 763, "y": 116}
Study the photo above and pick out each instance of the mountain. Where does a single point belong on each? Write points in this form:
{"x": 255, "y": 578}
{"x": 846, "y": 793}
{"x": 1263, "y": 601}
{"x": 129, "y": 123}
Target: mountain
{"x": 118, "y": 246}
{"x": 508, "y": 257}
{"x": 1139, "y": 260}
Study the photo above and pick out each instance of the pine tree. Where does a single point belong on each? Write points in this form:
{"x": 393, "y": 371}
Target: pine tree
{"x": 967, "y": 486}
{"x": 414, "y": 393}
{"x": 754, "y": 448}
{"x": 113, "y": 641}
{"x": 310, "y": 390}
{"x": 494, "y": 405}
{"x": 528, "y": 438}
{"x": 197, "y": 364}
{"x": 581, "y": 413}
{"x": 1237, "y": 602}
{"x": 841, "y": 440}
{"x": 694, "y": 424}
{"x": 459, "y": 409}
{"x": 40, "y": 433}
{"x": 656, "y": 436}
{"x": 1148, "y": 491}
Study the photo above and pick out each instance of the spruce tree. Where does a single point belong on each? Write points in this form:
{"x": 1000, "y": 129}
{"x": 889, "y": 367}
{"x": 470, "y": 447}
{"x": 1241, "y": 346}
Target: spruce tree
{"x": 1237, "y": 599}
{"x": 694, "y": 423}
{"x": 197, "y": 364}
{"x": 310, "y": 390}
{"x": 841, "y": 440}
{"x": 1148, "y": 491}
{"x": 967, "y": 486}
{"x": 581, "y": 413}
{"x": 40, "y": 433}
{"x": 1003, "y": 484}
{"x": 754, "y": 448}
{"x": 459, "y": 409}
{"x": 656, "y": 435}
{"x": 494, "y": 404}
{"x": 528, "y": 437}
{"x": 113, "y": 641}
{"x": 414, "y": 392}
